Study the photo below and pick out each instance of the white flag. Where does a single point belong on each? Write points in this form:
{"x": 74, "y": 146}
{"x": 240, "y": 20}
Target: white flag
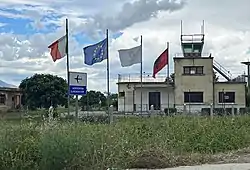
{"x": 136, "y": 39}
{"x": 129, "y": 57}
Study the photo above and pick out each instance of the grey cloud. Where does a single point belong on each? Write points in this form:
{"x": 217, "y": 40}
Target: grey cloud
{"x": 131, "y": 13}
{"x": 123, "y": 14}
{"x": 13, "y": 47}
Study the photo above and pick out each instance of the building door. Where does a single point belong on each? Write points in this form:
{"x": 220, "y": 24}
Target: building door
{"x": 155, "y": 100}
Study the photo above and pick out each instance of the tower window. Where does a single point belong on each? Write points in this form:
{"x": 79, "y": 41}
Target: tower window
{"x": 226, "y": 97}
{"x": 193, "y": 97}
{"x": 193, "y": 70}
{"x": 122, "y": 94}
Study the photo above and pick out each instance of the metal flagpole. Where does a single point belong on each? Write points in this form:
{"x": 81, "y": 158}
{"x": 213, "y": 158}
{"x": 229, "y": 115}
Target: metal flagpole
{"x": 168, "y": 83}
{"x": 141, "y": 75}
{"x": 77, "y": 107}
{"x": 67, "y": 52}
{"x": 108, "y": 102}
{"x": 87, "y": 104}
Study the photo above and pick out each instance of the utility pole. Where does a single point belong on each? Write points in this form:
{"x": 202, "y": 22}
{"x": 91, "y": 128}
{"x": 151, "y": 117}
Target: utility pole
{"x": 247, "y": 63}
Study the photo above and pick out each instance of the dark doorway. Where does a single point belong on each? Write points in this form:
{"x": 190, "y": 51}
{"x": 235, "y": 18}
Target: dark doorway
{"x": 155, "y": 100}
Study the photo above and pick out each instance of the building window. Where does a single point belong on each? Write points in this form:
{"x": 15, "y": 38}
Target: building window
{"x": 2, "y": 98}
{"x": 122, "y": 94}
{"x": 226, "y": 97}
{"x": 186, "y": 70}
{"x": 193, "y": 97}
{"x": 193, "y": 70}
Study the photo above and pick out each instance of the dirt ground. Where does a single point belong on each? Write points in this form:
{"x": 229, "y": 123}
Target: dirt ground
{"x": 240, "y": 156}
{"x": 237, "y": 160}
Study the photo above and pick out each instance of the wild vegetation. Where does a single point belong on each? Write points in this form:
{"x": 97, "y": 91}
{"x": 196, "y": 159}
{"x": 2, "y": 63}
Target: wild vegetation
{"x": 92, "y": 143}
{"x": 128, "y": 143}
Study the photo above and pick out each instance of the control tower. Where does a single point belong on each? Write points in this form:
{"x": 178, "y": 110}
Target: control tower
{"x": 192, "y": 45}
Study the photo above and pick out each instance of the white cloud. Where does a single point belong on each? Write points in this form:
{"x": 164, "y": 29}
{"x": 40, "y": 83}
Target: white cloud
{"x": 226, "y": 28}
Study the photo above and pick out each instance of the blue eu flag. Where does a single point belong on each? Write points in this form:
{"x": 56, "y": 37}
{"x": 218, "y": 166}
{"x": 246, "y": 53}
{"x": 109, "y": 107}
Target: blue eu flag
{"x": 95, "y": 53}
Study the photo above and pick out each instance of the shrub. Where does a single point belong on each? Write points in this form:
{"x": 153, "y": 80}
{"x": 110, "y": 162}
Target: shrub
{"x": 171, "y": 110}
{"x": 103, "y": 119}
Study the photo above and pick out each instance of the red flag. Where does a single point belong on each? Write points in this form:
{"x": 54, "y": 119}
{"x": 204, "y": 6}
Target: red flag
{"x": 58, "y": 48}
{"x": 160, "y": 62}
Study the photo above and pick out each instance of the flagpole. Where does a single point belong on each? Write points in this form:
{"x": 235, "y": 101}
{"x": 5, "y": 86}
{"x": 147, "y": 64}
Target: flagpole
{"x": 108, "y": 102}
{"x": 141, "y": 75}
{"x": 168, "y": 76}
{"x": 67, "y": 53}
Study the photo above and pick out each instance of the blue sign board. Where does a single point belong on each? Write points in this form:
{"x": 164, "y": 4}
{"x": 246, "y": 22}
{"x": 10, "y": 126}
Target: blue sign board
{"x": 77, "y": 90}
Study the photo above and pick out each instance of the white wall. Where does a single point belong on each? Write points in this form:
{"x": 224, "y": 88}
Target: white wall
{"x": 145, "y": 97}
{"x": 133, "y": 96}
{"x": 126, "y": 102}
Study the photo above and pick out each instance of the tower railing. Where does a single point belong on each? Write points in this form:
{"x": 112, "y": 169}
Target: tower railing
{"x": 178, "y": 55}
{"x": 146, "y": 77}
{"x": 224, "y": 72}
{"x": 193, "y": 38}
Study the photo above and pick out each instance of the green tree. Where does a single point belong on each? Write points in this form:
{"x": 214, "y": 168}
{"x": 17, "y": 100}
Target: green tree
{"x": 42, "y": 90}
{"x": 172, "y": 77}
{"x": 113, "y": 100}
{"x": 216, "y": 78}
{"x": 93, "y": 99}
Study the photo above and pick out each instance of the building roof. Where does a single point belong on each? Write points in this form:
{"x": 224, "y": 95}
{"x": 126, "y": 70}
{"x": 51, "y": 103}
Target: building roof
{"x": 9, "y": 89}
{"x": 182, "y": 58}
{"x": 230, "y": 82}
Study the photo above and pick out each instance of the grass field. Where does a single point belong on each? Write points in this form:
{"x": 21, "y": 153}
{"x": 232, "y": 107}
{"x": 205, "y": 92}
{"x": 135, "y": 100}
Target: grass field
{"x": 14, "y": 114}
{"x": 128, "y": 143}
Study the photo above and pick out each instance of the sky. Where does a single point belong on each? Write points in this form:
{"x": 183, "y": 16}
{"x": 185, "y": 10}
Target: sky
{"x": 28, "y": 27}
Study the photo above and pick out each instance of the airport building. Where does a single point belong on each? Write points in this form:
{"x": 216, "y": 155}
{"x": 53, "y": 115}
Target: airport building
{"x": 193, "y": 85}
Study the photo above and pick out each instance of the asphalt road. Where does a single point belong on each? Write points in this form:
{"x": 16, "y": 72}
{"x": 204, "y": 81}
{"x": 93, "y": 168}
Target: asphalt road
{"x": 243, "y": 166}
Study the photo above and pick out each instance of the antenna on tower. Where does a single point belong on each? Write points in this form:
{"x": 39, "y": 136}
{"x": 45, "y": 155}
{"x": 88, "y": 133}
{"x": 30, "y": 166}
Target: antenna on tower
{"x": 181, "y": 27}
{"x": 203, "y": 27}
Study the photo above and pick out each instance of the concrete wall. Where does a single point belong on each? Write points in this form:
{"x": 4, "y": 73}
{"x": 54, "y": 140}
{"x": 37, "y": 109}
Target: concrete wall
{"x": 133, "y": 96}
{"x": 238, "y": 88}
{"x": 125, "y": 102}
{"x": 145, "y": 97}
{"x": 202, "y": 83}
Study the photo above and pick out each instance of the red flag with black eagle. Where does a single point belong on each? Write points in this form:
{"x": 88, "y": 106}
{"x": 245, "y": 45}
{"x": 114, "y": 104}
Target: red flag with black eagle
{"x": 160, "y": 62}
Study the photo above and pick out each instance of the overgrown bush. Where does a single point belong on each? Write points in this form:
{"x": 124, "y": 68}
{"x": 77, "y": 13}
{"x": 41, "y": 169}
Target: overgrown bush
{"x": 103, "y": 119}
{"x": 171, "y": 110}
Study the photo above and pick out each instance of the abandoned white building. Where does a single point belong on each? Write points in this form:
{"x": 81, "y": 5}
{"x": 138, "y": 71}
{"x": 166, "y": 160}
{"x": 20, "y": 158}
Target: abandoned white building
{"x": 10, "y": 98}
{"x": 193, "y": 86}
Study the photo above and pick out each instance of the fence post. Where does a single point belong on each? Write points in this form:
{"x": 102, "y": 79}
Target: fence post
{"x": 233, "y": 110}
{"x": 211, "y": 110}
{"x": 151, "y": 112}
{"x": 184, "y": 108}
{"x": 111, "y": 110}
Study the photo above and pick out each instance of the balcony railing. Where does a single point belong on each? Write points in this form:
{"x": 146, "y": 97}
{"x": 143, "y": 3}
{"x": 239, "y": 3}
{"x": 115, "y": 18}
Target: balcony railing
{"x": 181, "y": 55}
{"x": 137, "y": 78}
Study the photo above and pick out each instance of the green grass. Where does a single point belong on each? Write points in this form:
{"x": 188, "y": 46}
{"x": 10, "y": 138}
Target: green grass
{"x": 128, "y": 143}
